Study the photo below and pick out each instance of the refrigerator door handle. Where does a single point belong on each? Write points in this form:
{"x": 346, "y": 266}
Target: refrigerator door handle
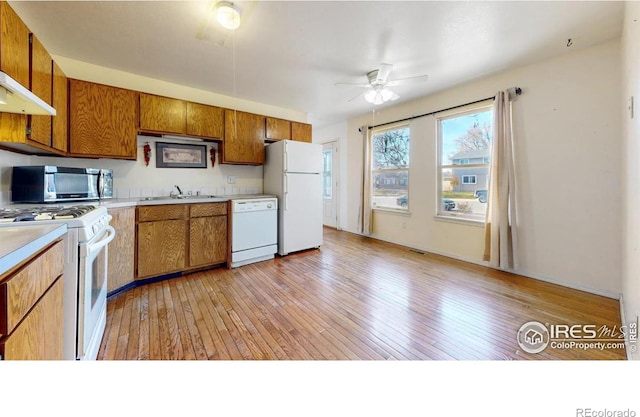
{"x": 286, "y": 191}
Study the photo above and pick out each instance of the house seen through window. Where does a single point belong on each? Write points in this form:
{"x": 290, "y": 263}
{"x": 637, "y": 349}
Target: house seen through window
{"x": 390, "y": 168}
{"x": 464, "y": 158}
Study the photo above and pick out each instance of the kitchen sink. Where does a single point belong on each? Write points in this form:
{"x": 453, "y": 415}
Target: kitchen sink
{"x": 178, "y": 197}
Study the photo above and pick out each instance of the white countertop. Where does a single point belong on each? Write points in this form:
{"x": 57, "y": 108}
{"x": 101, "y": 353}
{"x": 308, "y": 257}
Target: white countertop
{"x": 140, "y": 201}
{"x": 19, "y": 243}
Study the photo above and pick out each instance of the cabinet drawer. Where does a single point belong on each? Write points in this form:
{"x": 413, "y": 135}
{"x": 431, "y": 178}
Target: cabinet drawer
{"x": 165, "y": 212}
{"x": 39, "y": 335}
{"x": 22, "y": 291}
{"x": 208, "y": 209}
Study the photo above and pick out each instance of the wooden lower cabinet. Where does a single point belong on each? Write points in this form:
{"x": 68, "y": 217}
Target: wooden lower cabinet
{"x": 31, "y": 309}
{"x": 180, "y": 237}
{"x": 122, "y": 249}
{"x": 162, "y": 247}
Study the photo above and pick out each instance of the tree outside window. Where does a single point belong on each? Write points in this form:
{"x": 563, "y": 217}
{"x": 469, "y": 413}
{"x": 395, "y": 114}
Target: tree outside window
{"x": 465, "y": 151}
{"x": 390, "y": 168}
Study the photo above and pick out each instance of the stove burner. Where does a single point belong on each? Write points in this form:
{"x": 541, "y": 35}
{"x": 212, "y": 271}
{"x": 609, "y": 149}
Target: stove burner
{"x": 22, "y": 214}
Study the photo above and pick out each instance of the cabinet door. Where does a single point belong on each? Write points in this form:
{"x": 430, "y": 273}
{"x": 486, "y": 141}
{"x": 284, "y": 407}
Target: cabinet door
{"x": 40, "y": 335}
{"x": 41, "y": 86}
{"x": 301, "y": 132}
{"x": 162, "y": 114}
{"x": 59, "y": 137}
{"x": 102, "y": 120}
{"x": 14, "y": 45}
{"x": 205, "y": 121}
{"x": 121, "y": 250}
{"x": 161, "y": 247}
{"x": 278, "y": 129}
{"x": 247, "y": 145}
{"x": 208, "y": 241}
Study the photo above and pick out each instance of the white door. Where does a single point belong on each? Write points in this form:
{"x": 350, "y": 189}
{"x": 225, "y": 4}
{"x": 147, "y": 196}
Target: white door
{"x": 330, "y": 184}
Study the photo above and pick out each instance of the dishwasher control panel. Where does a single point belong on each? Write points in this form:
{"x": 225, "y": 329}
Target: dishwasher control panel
{"x": 248, "y": 205}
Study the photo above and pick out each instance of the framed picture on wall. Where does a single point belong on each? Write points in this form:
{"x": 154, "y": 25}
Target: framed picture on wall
{"x": 179, "y": 155}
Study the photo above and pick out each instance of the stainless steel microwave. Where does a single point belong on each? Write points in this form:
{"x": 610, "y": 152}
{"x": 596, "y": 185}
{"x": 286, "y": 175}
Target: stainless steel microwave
{"x": 50, "y": 184}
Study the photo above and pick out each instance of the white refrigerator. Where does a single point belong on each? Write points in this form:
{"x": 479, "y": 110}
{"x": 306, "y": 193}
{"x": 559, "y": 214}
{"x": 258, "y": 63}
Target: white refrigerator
{"x": 293, "y": 173}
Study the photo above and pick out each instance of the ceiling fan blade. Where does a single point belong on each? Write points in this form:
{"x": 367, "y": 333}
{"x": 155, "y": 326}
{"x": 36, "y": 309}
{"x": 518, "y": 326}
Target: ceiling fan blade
{"x": 417, "y": 78}
{"x": 349, "y": 101}
{"x": 383, "y": 73}
{"x": 352, "y": 85}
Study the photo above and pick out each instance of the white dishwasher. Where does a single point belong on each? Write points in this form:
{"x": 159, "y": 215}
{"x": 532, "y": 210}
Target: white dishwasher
{"x": 254, "y": 230}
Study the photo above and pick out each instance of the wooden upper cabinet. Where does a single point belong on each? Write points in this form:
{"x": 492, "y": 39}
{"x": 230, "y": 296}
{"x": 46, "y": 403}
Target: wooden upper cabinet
{"x": 162, "y": 114}
{"x": 41, "y": 85}
{"x": 102, "y": 121}
{"x": 59, "y": 134}
{"x": 277, "y": 129}
{"x": 205, "y": 121}
{"x": 301, "y": 132}
{"x": 247, "y": 146}
{"x": 14, "y": 45}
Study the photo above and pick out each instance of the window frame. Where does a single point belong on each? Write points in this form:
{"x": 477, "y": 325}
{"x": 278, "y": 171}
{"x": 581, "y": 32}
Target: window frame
{"x": 440, "y": 213}
{"x": 372, "y": 133}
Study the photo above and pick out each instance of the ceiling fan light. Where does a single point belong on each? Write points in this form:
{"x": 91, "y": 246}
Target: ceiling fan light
{"x": 370, "y": 96}
{"x": 228, "y": 15}
{"x": 386, "y": 94}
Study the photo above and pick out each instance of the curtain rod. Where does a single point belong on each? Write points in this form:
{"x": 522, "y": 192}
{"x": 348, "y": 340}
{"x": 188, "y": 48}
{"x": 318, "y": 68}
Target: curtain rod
{"x": 517, "y": 90}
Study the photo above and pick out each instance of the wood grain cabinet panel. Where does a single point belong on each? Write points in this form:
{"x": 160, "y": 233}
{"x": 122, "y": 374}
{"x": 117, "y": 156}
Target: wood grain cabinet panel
{"x": 102, "y": 121}
{"x": 41, "y": 86}
{"x": 208, "y": 241}
{"x": 277, "y": 129}
{"x": 205, "y": 121}
{"x": 246, "y": 147}
{"x": 208, "y": 209}
{"x": 40, "y": 335}
{"x": 14, "y": 45}
{"x": 163, "y": 212}
{"x": 22, "y": 290}
{"x": 122, "y": 249}
{"x": 31, "y": 309}
{"x": 161, "y": 247}
{"x": 301, "y": 132}
{"x": 59, "y": 134}
{"x": 162, "y": 114}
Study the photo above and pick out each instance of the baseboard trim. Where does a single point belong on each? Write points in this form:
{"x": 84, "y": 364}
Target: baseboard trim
{"x": 590, "y": 290}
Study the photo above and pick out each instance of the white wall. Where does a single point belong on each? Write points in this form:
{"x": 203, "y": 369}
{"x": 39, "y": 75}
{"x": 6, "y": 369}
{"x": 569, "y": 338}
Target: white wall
{"x": 568, "y": 154}
{"x": 631, "y": 165}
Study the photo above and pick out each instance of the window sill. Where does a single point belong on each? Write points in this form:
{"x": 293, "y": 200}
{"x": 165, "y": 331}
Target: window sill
{"x": 459, "y": 220}
{"x": 400, "y": 212}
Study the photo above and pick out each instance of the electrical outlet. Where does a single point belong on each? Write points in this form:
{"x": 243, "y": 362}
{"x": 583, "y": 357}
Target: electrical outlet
{"x": 231, "y": 179}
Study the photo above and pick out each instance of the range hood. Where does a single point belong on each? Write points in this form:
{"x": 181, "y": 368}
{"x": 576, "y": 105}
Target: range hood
{"x": 14, "y": 98}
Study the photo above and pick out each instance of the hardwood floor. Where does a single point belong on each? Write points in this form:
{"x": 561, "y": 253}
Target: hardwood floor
{"x": 354, "y": 298}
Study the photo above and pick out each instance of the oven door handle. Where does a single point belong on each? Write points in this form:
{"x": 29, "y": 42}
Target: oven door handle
{"x": 97, "y": 246}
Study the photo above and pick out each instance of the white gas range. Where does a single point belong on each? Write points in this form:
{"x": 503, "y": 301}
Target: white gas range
{"x": 85, "y": 271}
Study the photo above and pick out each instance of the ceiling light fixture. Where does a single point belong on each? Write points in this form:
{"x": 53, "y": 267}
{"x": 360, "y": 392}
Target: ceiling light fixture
{"x": 3, "y": 96}
{"x": 228, "y": 15}
{"x": 380, "y": 95}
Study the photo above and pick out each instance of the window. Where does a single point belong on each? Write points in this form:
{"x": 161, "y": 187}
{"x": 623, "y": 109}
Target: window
{"x": 327, "y": 191}
{"x": 469, "y": 179}
{"x": 390, "y": 168}
{"x": 464, "y": 141}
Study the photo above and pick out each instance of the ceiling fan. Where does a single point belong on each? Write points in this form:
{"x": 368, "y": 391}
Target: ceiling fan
{"x": 378, "y": 82}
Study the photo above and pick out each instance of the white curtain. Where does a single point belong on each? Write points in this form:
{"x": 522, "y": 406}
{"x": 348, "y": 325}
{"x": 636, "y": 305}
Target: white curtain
{"x": 500, "y": 230}
{"x": 364, "y": 215}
